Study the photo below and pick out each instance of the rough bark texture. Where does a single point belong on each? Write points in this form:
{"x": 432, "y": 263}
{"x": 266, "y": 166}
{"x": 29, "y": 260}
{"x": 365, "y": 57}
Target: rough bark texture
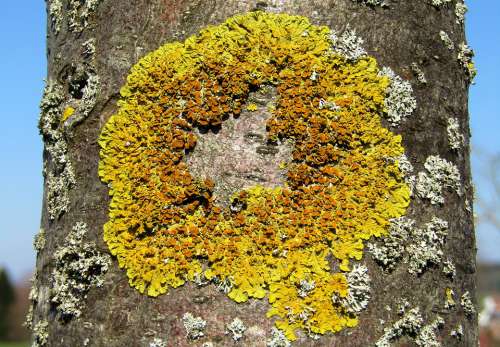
{"x": 404, "y": 32}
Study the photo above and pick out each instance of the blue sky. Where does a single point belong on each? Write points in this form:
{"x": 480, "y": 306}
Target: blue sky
{"x": 23, "y": 63}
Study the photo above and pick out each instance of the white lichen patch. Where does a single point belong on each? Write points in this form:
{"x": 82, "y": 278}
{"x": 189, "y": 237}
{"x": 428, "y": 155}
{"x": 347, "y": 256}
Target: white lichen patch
{"x": 236, "y": 328}
{"x": 427, "y": 335}
{"x": 371, "y": 2}
{"x": 467, "y": 305}
{"x": 455, "y": 137}
{"x": 449, "y": 269}
{"x": 418, "y": 73}
{"x": 419, "y": 247}
{"x": 278, "y": 339}
{"x": 87, "y": 102}
{"x": 78, "y": 268}
{"x": 399, "y": 102}
{"x": 39, "y": 241}
{"x": 40, "y": 334}
{"x": 89, "y": 47}
{"x": 458, "y": 332}
{"x": 306, "y": 287}
{"x": 446, "y": 40}
{"x": 79, "y": 13}
{"x": 460, "y": 11}
{"x": 409, "y": 325}
{"x": 60, "y": 177}
{"x": 412, "y": 326}
{"x": 157, "y": 342}
{"x": 392, "y": 249}
{"x": 440, "y": 3}
{"x": 194, "y": 326}
{"x": 358, "y": 295}
{"x": 56, "y": 14}
{"x": 440, "y": 174}
{"x": 427, "y": 245}
{"x": 33, "y": 300}
{"x": 347, "y": 44}
{"x": 406, "y": 169}
{"x": 465, "y": 55}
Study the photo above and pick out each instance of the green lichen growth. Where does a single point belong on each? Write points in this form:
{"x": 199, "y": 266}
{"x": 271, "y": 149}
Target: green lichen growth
{"x": 341, "y": 188}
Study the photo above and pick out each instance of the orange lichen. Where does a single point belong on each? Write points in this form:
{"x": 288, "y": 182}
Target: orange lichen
{"x": 342, "y": 186}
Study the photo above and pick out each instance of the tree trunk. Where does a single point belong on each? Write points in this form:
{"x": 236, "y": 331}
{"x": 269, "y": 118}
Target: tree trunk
{"x": 422, "y": 269}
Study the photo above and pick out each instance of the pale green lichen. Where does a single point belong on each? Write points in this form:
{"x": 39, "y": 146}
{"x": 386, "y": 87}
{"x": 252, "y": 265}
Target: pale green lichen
{"x": 449, "y": 269}
{"x": 59, "y": 175}
{"x": 465, "y": 55}
{"x": 440, "y": 3}
{"x": 194, "y": 326}
{"x": 348, "y": 44}
{"x": 419, "y": 247}
{"x": 412, "y": 326}
{"x": 389, "y": 252}
{"x": 278, "y": 339}
{"x": 79, "y": 267}
{"x": 40, "y": 334}
{"x": 446, "y": 40}
{"x": 358, "y": 296}
{"x": 39, "y": 241}
{"x": 157, "y": 342}
{"x": 372, "y": 2}
{"x": 455, "y": 137}
{"x": 468, "y": 305}
{"x": 236, "y": 328}
{"x": 56, "y": 14}
{"x": 458, "y": 332}
{"x": 460, "y": 11}
{"x": 440, "y": 175}
{"x": 417, "y": 71}
{"x": 79, "y": 13}
{"x": 399, "y": 103}
{"x": 427, "y": 245}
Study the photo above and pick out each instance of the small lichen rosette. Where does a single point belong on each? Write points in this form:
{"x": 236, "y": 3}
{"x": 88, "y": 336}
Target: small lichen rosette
{"x": 341, "y": 189}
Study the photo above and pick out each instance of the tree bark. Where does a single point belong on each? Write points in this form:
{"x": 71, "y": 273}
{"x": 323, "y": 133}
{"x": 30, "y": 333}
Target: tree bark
{"x": 91, "y": 47}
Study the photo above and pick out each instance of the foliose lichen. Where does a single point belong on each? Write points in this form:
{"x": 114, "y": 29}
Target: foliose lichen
{"x": 59, "y": 175}
{"x": 465, "y": 55}
{"x": 278, "y": 339}
{"x": 412, "y": 325}
{"x": 399, "y": 102}
{"x": 467, "y": 304}
{"x": 419, "y": 73}
{"x": 40, "y": 334}
{"x": 440, "y": 3}
{"x": 427, "y": 245}
{"x": 372, "y": 2}
{"x": 446, "y": 40}
{"x": 194, "y": 326}
{"x": 340, "y": 190}
{"x": 458, "y": 332}
{"x": 157, "y": 342}
{"x": 56, "y": 14}
{"x": 358, "y": 282}
{"x": 79, "y": 266}
{"x": 39, "y": 241}
{"x": 236, "y": 328}
{"x": 460, "y": 11}
{"x": 79, "y": 13}
{"x": 455, "y": 136}
{"x": 419, "y": 247}
{"x": 449, "y": 269}
{"x": 441, "y": 174}
{"x": 389, "y": 252}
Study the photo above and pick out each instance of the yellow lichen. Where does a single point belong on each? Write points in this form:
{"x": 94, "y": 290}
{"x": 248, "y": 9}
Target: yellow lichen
{"x": 342, "y": 186}
{"x": 68, "y": 112}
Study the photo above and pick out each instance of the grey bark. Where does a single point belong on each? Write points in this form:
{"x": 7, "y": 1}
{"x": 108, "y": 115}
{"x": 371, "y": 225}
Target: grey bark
{"x": 404, "y": 32}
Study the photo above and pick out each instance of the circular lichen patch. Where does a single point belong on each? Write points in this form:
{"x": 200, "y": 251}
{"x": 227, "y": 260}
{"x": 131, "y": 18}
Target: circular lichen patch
{"x": 342, "y": 186}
